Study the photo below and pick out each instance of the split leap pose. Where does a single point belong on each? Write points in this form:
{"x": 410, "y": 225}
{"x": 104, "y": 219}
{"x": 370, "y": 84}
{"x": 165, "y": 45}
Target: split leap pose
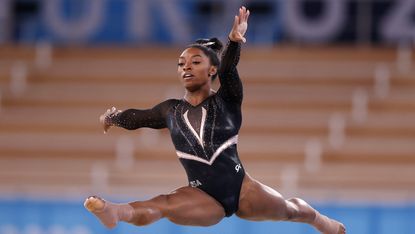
{"x": 204, "y": 128}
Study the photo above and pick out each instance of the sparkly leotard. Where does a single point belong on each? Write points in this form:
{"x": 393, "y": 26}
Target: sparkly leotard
{"x": 205, "y": 136}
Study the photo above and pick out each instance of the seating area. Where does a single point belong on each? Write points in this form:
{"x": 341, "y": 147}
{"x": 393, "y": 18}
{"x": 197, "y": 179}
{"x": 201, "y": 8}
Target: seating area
{"x": 323, "y": 123}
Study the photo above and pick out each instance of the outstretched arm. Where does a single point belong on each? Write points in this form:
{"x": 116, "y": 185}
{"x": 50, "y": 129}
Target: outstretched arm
{"x": 231, "y": 86}
{"x": 134, "y": 118}
{"x": 240, "y": 25}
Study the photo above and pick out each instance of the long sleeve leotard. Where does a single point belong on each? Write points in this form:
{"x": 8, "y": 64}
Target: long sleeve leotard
{"x": 205, "y": 136}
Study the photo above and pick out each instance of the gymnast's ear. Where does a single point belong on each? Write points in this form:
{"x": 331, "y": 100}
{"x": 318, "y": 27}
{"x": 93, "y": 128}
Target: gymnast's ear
{"x": 213, "y": 70}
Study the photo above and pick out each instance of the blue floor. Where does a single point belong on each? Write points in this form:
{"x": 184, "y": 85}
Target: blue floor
{"x": 62, "y": 217}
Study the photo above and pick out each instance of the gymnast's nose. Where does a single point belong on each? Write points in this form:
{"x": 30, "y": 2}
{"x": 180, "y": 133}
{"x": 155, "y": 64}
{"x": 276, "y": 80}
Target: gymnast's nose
{"x": 187, "y": 67}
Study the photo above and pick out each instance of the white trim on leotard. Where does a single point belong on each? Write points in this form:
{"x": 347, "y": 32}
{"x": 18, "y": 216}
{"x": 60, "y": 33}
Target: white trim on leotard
{"x": 231, "y": 141}
{"x": 202, "y": 126}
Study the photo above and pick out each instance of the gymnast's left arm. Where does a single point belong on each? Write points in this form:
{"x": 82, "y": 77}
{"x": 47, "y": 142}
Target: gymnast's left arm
{"x": 231, "y": 85}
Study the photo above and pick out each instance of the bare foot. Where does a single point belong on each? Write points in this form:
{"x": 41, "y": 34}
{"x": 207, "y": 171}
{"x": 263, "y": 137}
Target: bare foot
{"x": 342, "y": 229}
{"x": 327, "y": 225}
{"x": 103, "y": 210}
{"x": 94, "y": 204}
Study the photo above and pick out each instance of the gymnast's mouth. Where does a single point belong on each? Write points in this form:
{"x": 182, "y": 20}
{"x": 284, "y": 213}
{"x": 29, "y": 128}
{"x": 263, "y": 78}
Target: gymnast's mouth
{"x": 188, "y": 76}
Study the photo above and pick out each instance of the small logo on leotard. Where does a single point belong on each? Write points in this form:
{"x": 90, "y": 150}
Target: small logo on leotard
{"x": 195, "y": 183}
{"x": 238, "y": 167}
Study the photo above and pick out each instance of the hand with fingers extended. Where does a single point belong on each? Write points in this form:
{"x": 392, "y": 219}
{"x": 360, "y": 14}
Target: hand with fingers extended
{"x": 240, "y": 25}
{"x": 105, "y": 119}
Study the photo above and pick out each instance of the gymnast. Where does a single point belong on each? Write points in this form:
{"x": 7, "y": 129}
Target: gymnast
{"x": 204, "y": 128}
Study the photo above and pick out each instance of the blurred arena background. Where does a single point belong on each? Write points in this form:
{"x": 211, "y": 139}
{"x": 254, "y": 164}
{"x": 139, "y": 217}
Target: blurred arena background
{"x": 329, "y": 108}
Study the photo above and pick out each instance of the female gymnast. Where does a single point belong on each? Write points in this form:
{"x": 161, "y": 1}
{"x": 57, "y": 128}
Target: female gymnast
{"x": 204, "y": 129}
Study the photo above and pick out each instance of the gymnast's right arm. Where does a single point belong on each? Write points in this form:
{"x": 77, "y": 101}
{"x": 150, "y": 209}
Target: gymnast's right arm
{"x": 132, "y": 119}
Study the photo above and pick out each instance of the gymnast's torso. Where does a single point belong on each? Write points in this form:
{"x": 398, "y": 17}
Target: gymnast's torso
{"x": 205, "y": 136}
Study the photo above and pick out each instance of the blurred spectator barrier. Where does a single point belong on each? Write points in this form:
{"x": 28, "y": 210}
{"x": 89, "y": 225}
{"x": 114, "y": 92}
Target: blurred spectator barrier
{"x": 69, "y": 217}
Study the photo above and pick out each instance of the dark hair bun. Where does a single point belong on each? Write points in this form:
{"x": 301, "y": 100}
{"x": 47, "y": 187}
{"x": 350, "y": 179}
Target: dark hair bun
{"x": 213, "y": 43}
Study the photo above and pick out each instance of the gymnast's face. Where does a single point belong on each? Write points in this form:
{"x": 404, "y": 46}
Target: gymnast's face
{"x": 194, "y": 69}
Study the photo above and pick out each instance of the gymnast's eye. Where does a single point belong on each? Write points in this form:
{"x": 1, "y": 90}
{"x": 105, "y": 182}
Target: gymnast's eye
{"x": 180, "y": 64}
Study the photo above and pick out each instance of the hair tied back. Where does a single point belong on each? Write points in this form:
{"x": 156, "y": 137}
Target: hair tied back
{"x": 208, "y": 43}
{"x": 213, "y": 43}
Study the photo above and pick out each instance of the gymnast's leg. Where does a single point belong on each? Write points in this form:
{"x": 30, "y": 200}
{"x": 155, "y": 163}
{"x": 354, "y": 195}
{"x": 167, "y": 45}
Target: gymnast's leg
{"x": 260, "y": 202}
{"x": 185, "y": 206}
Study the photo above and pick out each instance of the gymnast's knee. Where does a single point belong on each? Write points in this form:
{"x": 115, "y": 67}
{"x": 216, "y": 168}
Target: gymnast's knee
{"x": 301, "y": 210}
{"x": 149, "y": 211}
{"x": 296, "y": 201}
{"x": 146, "y": 216}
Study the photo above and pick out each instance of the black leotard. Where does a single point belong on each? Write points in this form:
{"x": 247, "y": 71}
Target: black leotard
{"x": 205, "y": 136}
